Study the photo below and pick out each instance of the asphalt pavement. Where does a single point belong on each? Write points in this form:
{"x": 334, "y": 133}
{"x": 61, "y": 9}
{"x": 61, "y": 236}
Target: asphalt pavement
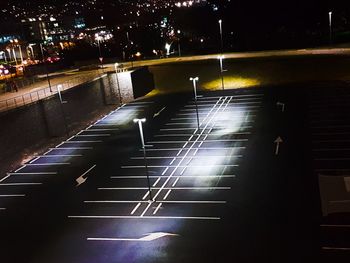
{"x": 235, "y": 184}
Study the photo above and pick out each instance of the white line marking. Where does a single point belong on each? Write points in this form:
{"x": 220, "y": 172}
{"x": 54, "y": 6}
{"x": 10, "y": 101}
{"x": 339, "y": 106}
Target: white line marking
{"x": 102, "y": 130}
{"x": 143, "y": 201}
{"x": 94, "y": 135}
{"x": 167, "y": 194}
{"x": 177, "y": 179}
{"x": 20, "y": 168}
{"x": 165, "y": 188}
{"x": 146, "y": 194}
{"x": 198, "y": 141}
{"x": 183, "y": 176}
{"x": 147, "y": 238}
{"x": 147, "y": 217}
{"x": 72, "y": 148}
{"x": 39, "y": 173}
{"x": 195, "y": 148}
{"x": 36, "y": 158}
{"x": 156, "y": 182}
{"x": 178, "y": 166}
{"x": 46, "y": 164}
{"x": 14, "y": 195}
{"x": 97, "y": 141}
{"x": 59, "y": 155}
{"x": 144, "y": 212}
{"x": 188, "y": 157}
{"x": 158, "y": 207}
{"x": 136, "y": 207}
{"x": 7, "y": 176}
{"x": 17, "y": 184}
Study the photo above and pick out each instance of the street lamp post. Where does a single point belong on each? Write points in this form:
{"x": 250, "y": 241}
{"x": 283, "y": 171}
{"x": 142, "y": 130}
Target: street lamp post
{"x": 117, "y": 78}
{"x": 222, "y": 71}
{"x": 139, "y": 122}
{"x": 59, "y": 87}
{"x": 194, "y": 82}
{"x": 221, "y": 39}
{"x": 330, "y": 28}
{"x": 45, "y": 63}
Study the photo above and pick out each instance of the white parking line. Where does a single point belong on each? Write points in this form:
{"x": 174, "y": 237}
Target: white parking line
{"x": 93, "y": 135}
{"x": 36, "y": 158}
{"x": 143, "y": 201}
{"x": 179, "y": 166}
{"x": 183, "y": 176}
{"x": 19, "y": 184}
{"x": 188, "y": 157}
{"x": 198, "y": 141}
{"x": 59, "y": 155}
{"x": 38, "y": 173}
{"x": 46, "y": 164}
{"x": 96, "y": 141}
{"x": 7, "y": 176}
{"x": 20, "y": 168}
{"x": 146, "y": 217}
{"x": 72, "y": 148}
{"x": 14, "y": 195}
{"x": 165, "y": 188}
{"x": 158, "y": 207}
{"x": 101, "y": 130}
{"x": 136, "y": 207}
{"x": 195, "y": 148}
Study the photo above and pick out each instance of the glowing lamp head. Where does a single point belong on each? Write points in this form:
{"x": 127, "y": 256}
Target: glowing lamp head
{"x": 194, "y": 79}
{"x": 141, "y": 120}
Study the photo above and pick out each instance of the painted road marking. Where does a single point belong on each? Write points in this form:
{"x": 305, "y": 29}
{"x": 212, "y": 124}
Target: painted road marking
{"x": 198, "y": 141}
{"x": 147, "y": 238}
{"x": 81, "y": 179}
{"x": 165, "y": 188}
{"x": 59, "y": 155}
{"x": 196, "y": 148}
{"x": 72, "y": 148}
{"x": 97, "y": 141}
{"x": 146, "y": 217}
{"x": 183, "y": 176}
{"x": 143, "y": 201}
{"x": 179, "y": 166}
{"x": 18, "y": 184}
{"x": 13, "y": 195}
{"x": 38, "y": 173}
{"x": 190, "y": 157}
{"x": 45, "y": 164}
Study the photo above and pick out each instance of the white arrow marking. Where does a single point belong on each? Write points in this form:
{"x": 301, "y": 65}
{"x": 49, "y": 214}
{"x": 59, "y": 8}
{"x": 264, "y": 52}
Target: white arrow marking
{"x": 281, "y": 104}
{"x": 81, "y": 179}
{"x": 146, "y": 238}
{"x": 158, "y": 113}
{"x": 278, "y": 141}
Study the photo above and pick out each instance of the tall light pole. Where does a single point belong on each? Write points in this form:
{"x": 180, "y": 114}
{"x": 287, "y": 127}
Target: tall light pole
{"x": 45, "y": 64}
{"x": 139, "y": 122}
{"x": 221, "y": 57}
{"x": 221, "y": 39}
{"x": 117, "y": 78}
{"x": 59, "y": 87}
{"x": 194, "y": 82}
{"x": 330, "y": 27}
{"x": 98, "y": 38}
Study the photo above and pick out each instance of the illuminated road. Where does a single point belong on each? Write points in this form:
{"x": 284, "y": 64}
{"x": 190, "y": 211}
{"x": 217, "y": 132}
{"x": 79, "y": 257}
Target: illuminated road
{"x": 223, "y": 193}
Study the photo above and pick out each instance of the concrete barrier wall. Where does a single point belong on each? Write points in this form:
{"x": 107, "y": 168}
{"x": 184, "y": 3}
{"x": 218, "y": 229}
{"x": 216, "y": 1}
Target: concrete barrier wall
{"x": 26, "y": 129}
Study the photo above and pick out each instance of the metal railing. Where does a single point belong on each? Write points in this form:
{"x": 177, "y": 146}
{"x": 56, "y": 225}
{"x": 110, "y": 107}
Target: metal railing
{"x": 43, "y": 93}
